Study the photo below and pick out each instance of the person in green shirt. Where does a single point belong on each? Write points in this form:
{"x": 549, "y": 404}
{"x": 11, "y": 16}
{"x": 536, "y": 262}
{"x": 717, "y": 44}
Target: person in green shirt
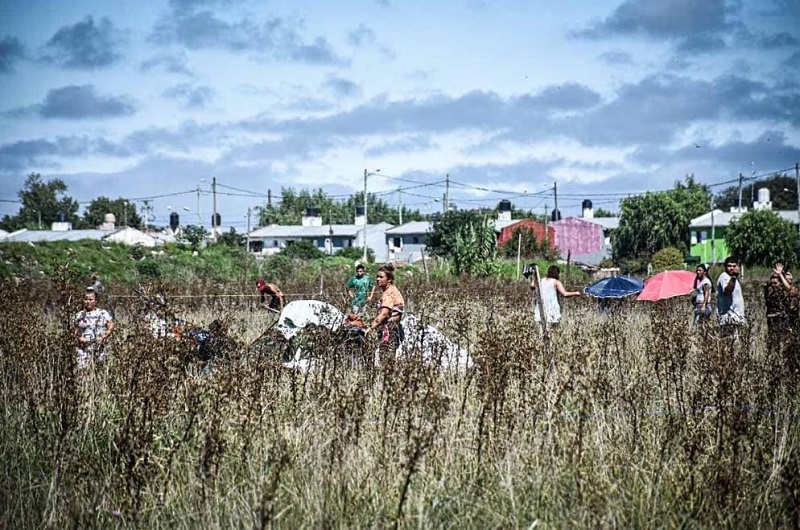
{"x": 361, "y": 288}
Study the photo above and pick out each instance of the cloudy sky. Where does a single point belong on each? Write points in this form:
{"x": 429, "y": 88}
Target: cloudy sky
{"x": 606, "y": 97}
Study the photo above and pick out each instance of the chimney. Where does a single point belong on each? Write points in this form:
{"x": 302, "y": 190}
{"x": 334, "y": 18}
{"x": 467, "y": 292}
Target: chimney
{"x": 588, "y": 212}
{"x": 763, "y": 202}
{"x": 109, "y": 222}
{"x": 61, "y": 224}
{"x": 555, "y": 215}
{"x": 504, "y": 210}
{"x": 312, "y": 217}
{"x": 359, "y": 221}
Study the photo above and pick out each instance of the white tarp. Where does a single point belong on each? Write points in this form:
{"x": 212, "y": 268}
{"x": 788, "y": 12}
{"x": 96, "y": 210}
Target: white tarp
{"x": 419, "y": 338}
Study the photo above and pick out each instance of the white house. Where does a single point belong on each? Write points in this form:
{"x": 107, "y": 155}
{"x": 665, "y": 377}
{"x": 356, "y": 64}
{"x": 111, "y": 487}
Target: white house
{"x": 328, "y": 238}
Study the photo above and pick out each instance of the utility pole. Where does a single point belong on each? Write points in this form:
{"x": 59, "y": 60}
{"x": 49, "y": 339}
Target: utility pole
{"x": 199, "y": 217}
{"x": 741, "y": 180}
{"x": 555, "y": 200}
{"x": 713, "y": 235}
{"x": 247, "y": 248}
{"x": 214, "y": 215}
{"x": 545, "y": 225}
{"x": 269, "y": 198}
{"x": 400, "y": 201}
{"x": 364, "y": 260}
{"x": 447, "y": 193}
{"x": 125, "y": 213}
{"x": 39, "y": 214}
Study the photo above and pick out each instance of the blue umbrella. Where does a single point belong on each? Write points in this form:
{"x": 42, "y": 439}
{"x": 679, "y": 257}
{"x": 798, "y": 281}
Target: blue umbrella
{"x": 615, "y": 287}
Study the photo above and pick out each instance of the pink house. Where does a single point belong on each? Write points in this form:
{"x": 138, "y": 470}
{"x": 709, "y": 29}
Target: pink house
{"x": 577, "y": 237}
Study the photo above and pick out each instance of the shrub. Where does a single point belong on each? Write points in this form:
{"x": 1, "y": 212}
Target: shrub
{"x": 667, "y": 259}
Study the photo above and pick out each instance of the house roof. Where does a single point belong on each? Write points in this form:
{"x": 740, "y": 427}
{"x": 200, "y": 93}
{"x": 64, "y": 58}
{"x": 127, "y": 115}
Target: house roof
{"x": 39, "y": 236}
{"x": 722, "y": 219}
{"x": 299, "y": 231}
{"x": 125, "y": 235}
{"x": 414, "y": 227}
{"x": 608, "y": 223}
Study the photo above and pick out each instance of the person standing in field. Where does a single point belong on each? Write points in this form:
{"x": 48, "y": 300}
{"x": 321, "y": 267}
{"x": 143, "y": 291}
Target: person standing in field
{"x": 390, "y": 311}
{"x": 782, "y": 302}
{"x": 357, "y": 288}
{"x": 93, "y": 326}
{"x": 551, "y": 287}
{"x": 730, "y": 301}
{"x": 702, "y": 294}
{"x": 276, "y": 301}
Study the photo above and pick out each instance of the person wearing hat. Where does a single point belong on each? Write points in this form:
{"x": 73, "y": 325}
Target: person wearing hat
{"x": 357, "y": 288}
{"x": 276, "y": 302}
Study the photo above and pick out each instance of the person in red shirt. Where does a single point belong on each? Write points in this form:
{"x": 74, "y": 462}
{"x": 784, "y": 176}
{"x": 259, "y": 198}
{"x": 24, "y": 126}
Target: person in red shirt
{"x": 276, "y": 301}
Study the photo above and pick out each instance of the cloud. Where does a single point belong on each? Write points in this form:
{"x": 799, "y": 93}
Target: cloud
{"x": 616, "y": 57}
{"x": 361, "y": 36}
{"x": 275, "y": 39}
{"x": 22, "y": 155}
{"x": 11, "y": 51}
{"x": 341, "y": 87}
{"x": 699, "y": 44}
{"x": 173, "y": 63}
{"x": 662, "y": 19}
{"x": 84, "y": 45}
{"x": 403, "y": 145}
{"x": 569, "y": 96}
{"x": 82, "y": 102}
{"x": 191, "y": 96}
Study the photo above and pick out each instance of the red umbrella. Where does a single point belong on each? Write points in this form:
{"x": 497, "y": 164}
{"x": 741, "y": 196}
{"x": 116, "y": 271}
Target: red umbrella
{"x": 667, "y": 284}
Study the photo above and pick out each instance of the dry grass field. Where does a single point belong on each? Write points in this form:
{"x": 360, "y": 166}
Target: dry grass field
{"x": 630, "y": 420}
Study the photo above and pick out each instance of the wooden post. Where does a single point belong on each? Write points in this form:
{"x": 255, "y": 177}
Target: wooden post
{"x": 519, "y": 251}
{"x": 425, "y": 265}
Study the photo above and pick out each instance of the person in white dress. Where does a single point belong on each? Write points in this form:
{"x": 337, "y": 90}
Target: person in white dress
{"x": 92, "y": 329}
{"x": 551, "y": 288}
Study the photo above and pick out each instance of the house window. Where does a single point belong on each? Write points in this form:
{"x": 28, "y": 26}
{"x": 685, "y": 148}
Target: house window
{"x": 703, "y": 236}
{"x": 274, "y": 242}
{"x": 415, "y": 240}
{"x": 397, "y": 242}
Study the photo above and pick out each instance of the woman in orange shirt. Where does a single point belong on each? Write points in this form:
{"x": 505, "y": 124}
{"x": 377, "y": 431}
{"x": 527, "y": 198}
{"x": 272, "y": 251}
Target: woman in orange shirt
{"x": 390, "y": 311}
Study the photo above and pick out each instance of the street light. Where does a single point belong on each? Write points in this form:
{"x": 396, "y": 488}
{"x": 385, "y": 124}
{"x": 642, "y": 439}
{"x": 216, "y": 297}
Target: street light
{"x": 366, "y": 174}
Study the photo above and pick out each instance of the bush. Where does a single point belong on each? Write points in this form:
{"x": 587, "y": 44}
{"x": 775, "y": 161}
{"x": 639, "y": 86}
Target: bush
{"x": 302, "y": 250}
{"x": 667, "y": 259}
{"x": 356, "y": 254}
{"x": 148, "y": 268}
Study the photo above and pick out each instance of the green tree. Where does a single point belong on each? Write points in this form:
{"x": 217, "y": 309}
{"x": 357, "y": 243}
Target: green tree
{"x": 653, "y": 221}
{"x": 302, "y": 249}
{"x": 602, "y": 212}
{"x": 193, "y": 235}
{"x": 41, "y": 201}
{"x": 782, "y": 192}
{"x": 292, "y": 207}
{"x": 232, "y": 238}
{"x": 666, "y": 259}
{"x": 529, "y": 246}
{"x": 474, "y": 249}
{"x": 356, "y": 254}
{"x": 762, "y": 237}
{"x": 123, "y": 210}
{"x": 441, "y": 241}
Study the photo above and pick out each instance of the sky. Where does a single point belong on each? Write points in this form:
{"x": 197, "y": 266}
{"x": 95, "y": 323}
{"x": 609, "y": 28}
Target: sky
{"x": 503, "y": 99}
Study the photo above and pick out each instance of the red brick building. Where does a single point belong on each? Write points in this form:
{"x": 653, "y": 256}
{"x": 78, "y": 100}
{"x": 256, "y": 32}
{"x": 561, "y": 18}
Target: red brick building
{"x": 536, "y": 227}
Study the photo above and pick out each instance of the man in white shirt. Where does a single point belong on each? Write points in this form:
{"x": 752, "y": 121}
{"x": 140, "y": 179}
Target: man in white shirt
{"x": 730, "y": 301}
